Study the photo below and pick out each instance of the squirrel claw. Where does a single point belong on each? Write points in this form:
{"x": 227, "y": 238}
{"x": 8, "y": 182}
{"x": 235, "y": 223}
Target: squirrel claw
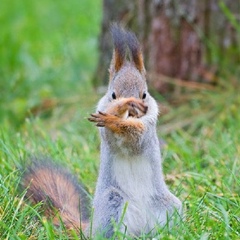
{"x": 141, "y": 106}
{"x": 100, "y": 124}
{"x": 101, "y": 113}
{"x": 98, "y": 118}
{"x": 91, "y": 119}
{"x": 137, "y": 104}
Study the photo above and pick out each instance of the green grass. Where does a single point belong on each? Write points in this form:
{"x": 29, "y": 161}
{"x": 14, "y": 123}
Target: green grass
{"x": 49, "y": 51}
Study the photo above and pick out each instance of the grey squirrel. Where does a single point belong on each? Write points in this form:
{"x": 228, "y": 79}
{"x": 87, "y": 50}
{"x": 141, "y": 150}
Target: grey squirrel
{"x": 130, "y": 190}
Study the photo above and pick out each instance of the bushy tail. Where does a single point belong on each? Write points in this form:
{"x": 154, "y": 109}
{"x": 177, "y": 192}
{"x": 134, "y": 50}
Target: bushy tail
{"x": 64, "y": 199}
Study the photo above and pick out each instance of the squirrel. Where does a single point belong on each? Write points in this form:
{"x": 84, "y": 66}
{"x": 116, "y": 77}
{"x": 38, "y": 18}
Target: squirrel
{"x": 130, "y": 189}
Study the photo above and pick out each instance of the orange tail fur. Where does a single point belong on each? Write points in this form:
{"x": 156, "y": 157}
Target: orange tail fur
{"x": 65, "y": 201}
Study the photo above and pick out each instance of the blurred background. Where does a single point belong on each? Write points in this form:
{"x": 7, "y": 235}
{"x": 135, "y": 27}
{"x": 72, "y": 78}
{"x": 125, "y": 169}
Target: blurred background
{"x": 54, "y": 59}
{"x": 50, "y": 52}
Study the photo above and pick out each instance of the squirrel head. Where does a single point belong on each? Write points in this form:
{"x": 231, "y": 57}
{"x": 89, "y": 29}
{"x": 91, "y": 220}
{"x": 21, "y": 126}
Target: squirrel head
{"x": 127, "y": 71}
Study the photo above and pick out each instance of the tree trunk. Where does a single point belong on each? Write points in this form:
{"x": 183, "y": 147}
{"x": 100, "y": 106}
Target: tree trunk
{"x": 113, "y": 11}
{"x": 179, "y": 38}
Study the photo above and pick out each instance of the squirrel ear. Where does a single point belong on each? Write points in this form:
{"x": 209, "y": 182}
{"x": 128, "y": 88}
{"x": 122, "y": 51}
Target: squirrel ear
{"x": 136, "y": 51}
{"x": 119, "y": 52}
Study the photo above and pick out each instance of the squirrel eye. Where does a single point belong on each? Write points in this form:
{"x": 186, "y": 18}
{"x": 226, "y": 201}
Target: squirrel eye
{"x": 114, "y": 95}
{"x": 144, "y": 95}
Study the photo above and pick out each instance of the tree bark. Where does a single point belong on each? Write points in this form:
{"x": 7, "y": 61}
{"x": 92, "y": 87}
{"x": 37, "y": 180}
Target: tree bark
{"x": 179, "y": 38}
{"x": 113, "y": 11}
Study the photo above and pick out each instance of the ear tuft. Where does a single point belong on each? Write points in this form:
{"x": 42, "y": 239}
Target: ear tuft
{"x": 136, "y": 51}
{"x": 119, "y": 53}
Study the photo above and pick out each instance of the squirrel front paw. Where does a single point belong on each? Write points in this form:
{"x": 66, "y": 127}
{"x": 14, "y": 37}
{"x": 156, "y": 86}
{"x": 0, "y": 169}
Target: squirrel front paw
{"x": 121, "y": 116}
{"x": 130, "y": 126}
{"x": 136, "y": 108}
{"x": 102, "y": 119}
{"x": 127, "y": 107}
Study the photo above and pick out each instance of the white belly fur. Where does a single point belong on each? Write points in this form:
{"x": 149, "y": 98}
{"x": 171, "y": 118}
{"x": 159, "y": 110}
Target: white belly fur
{"x": 134, "y": 177}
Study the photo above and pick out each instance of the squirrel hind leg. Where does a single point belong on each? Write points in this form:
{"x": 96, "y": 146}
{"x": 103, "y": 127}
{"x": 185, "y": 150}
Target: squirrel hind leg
{"x": 60, "y": 193}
